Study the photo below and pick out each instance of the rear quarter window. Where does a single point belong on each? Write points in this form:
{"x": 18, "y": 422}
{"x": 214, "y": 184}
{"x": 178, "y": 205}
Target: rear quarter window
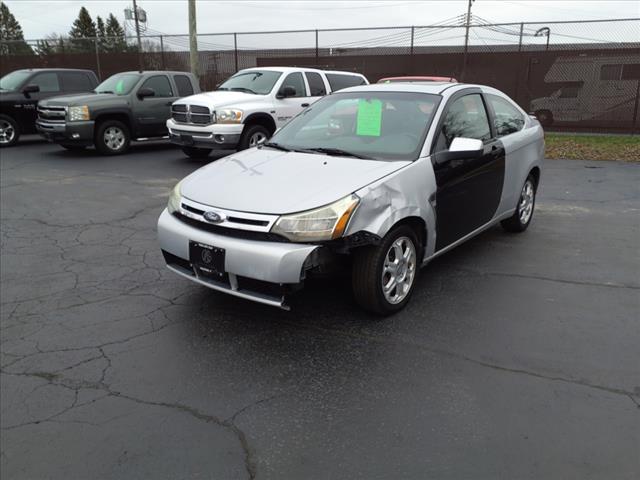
{"x": 183, "y": 83}
{"x": 339, "y": 81}
{"x": 76, "y": 82}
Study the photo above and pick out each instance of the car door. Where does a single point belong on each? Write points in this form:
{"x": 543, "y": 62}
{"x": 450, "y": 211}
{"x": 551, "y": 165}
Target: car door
{"x": 49, "y": 85}
{"x": 317, "y": 87}
{"x": 469, "y": 189}
{"x": 287, "y": 107}
{"x": 151, "y": 113}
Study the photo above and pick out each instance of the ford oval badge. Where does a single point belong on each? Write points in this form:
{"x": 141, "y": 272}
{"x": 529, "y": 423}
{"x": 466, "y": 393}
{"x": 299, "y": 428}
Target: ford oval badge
{"x": 213, "y": 217}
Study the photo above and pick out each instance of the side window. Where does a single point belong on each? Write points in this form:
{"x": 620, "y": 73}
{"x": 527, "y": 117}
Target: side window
{"x": 610, "y": 72}
{"x": 160, "y": 85}
{"x": 338, "y": 81}
{"x": 570, "y": 91}
{"x": 48, "y": 82}
{"x": 184, "y": 85}
{"x": 466, "y": 118}
{"x": 316, "y": 84}
{"x": 296, "y": 81}
{"x": 75, "y": 82}
{"x": 508, "y": 118}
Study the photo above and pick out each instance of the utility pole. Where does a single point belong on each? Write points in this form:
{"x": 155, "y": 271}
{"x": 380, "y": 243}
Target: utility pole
{"x": 466, "y": 40}
{"x": 193, "y": 40}
{"x": 135, "y": 16}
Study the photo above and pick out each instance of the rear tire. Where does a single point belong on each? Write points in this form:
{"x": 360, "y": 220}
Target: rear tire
{"x": 383, "y": 276}
{"x": 545, "y": 117}
{"x": 521, "y": 218}
{"x": 9, "y": 131}
{"x": 252, "y": 135}
{"x": 112, "y": 137}
{"x": 194, "y": 152}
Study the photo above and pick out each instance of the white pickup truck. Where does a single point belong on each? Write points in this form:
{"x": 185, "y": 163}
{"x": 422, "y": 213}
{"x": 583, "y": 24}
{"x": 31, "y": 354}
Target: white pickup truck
{"x": 248, "y": 107}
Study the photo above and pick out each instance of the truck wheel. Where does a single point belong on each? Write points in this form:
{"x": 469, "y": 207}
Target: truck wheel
{"x": 383, "y": 276}
{"x": 112, "y": 137}
{"x": 521, "y": 218}
{"x": 252, "y": 136}
{"x": 545, "y": 117}
{"x": 194, "y": 152}
{"x": 9, "y": 131}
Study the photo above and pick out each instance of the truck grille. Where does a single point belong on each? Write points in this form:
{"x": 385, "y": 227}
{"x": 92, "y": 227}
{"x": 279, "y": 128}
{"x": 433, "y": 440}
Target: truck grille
{"x": 52, "y": 114}
{"x": 192, "y": 114}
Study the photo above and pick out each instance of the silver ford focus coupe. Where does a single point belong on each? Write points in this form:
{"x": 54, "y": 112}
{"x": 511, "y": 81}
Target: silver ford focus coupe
{"x": 380, "y": 178}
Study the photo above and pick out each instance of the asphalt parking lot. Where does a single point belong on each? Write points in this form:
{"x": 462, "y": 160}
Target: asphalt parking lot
{"x": 517, "y": 358}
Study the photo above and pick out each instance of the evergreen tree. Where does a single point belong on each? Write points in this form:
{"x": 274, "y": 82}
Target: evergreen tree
{"x": 115, "y": 40}
{"x": 101, "y": 32}
{"x": 83, "y": 28}
{"x": 11, "y": 31}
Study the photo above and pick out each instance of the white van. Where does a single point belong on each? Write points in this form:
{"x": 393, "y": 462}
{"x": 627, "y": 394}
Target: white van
{"x": 590, "y": 88}
{"x": 250, "y": 106}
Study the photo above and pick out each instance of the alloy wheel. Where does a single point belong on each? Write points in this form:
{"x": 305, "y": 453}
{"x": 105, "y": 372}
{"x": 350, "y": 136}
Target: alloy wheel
{"x": 399, "y": 270}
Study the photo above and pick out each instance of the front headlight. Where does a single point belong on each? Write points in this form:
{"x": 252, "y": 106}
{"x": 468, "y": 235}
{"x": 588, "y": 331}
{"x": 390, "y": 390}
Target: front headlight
{"x": 324, "y": 223}
{"x": 77, "y": 114}
{"x": 175, "y": 199}
{"x": 228, "y": 116}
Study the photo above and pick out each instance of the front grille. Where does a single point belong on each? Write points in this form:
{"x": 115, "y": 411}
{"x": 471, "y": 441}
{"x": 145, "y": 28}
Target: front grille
{"x": 192, "y": 114}
{"x": 52, "y": 114}
{"x": 231, "y": 232}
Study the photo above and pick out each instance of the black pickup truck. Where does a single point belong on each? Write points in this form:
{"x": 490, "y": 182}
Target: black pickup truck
{"x": 21, "y": 90}
{"x": 126, "y": 106}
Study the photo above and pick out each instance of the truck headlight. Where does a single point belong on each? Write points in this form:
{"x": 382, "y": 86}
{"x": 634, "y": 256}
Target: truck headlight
{"x": 173, "y": 205}
{"x": 324, "y": 223}
{"x": 228, "y": 116}
{"x": 77, "y": 114}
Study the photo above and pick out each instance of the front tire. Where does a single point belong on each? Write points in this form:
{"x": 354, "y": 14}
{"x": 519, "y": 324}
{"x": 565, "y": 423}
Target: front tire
{"x": 112, "y": 137}
{"x": 9, "y": 131}
{"x": 521, "y": 218}
{"x": 193, "y": 152}
{"x": 383, "y": 276}
{"x": 252, "y": 136}
{"x": 545, "y": 117}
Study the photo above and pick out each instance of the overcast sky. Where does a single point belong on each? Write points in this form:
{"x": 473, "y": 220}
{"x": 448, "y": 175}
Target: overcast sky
{"x": 40, "y": 18}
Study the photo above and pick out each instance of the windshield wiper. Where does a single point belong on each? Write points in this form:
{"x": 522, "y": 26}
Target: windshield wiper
{"x": 277, "y": 146}
{"x": 336, "y": 152}
{"x": 105, "y": 91}
{"x": 242, "y": 89}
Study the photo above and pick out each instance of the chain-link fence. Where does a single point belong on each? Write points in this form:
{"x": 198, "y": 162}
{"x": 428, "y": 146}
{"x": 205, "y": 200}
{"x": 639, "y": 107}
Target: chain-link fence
{"x": 575, "y": 75}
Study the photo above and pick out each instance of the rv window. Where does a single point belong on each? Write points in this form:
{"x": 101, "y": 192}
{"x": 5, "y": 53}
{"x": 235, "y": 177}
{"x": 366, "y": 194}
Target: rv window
{"x": 610, "y": 72}
{"x": 570, "y": 91}
{"x": 631, "y": 71}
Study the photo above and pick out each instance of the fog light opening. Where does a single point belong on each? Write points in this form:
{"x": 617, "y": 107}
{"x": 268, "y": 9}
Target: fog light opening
{"x": 219, "y": 138}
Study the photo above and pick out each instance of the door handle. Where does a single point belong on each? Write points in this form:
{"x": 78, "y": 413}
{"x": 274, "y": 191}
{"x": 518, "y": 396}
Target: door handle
{"x": 305, "y": 105}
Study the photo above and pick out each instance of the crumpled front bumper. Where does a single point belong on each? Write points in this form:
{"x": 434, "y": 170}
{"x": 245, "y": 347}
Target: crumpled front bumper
{"x": 246, "y": 261}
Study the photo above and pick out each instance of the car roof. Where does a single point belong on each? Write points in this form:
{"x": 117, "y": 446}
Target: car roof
{"x": 435, "y": 88}
{"x": 300, "y": 69}
{"x": 54, "y": 69}
{"x": 156, "y": 71}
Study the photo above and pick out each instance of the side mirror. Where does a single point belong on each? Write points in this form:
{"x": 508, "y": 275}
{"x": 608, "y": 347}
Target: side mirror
{"x": 31, "y": 88}
{"x": 286, "y": 91}
{"x": 461, "y": 149}
{"x": 146, "y": 92}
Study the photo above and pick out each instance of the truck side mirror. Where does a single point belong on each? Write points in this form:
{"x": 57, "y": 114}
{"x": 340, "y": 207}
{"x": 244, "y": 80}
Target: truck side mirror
{"x": 286, "y": 91}
{"x": 146, "y": 92}
{"x": 31, "y": 88}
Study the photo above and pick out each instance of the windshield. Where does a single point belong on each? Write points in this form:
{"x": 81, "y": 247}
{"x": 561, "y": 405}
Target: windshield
{"x": 13, "y": 81}
{"x": 378, "y": 125}
{"x": 120, "y": 84}
{"x": 259, "y": 82}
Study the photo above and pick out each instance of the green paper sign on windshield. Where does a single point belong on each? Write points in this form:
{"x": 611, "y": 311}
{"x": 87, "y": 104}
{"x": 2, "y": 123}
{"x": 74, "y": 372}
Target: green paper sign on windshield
{"x": 369, "y": 121}
{"x": 120, "y": 86}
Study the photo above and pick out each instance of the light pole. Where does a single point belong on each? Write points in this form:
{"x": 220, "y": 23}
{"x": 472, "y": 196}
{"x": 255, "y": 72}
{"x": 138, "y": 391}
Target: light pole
{"x": 136, "y": 14}
{"x": 193, "y": 40}
{"x": 466, "y": 40}
{"x": 543, "y": 32}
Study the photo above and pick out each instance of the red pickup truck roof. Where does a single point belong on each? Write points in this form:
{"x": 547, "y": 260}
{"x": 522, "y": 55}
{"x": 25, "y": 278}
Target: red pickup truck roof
{"x": 417, "y": 79}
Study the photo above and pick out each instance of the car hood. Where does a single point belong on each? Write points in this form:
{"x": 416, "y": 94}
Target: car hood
{"x": 262, "y": 180}
{"x": 82, "y": 99}
{"x": 220, "y": 99}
